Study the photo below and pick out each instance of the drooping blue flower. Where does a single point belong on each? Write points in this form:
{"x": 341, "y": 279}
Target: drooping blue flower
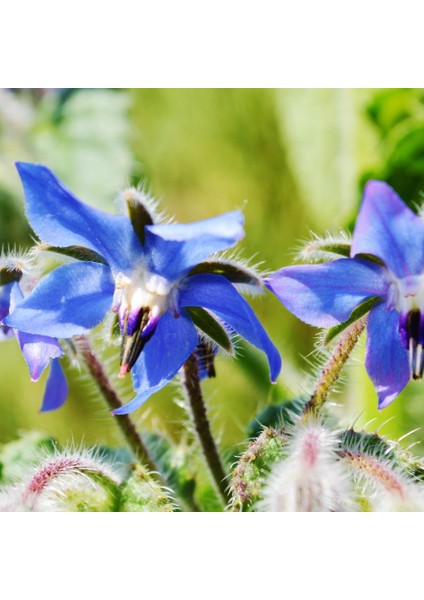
{"x": 155, "y": 277}
{"x": 38, "y": 350}
{"x": 326, "y": 294}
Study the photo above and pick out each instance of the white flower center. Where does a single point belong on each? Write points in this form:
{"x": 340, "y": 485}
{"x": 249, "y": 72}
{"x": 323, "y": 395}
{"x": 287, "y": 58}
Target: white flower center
{"x": 407, "y": 294}
{"x": 143, "y": 290}
{"x": 139, "y": 301}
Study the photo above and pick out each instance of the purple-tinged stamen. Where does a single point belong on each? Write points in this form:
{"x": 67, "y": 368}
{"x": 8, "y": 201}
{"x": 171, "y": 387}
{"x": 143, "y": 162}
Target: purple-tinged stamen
{"x": 411, "y": 328}
{"x": 139, "y": 300}
{"x": 135, "y": 338}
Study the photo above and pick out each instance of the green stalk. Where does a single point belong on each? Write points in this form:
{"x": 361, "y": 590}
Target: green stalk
{"x": 202, "y": 427}
{"x": 113, "y": 401}
{"x": 331, "y": 371}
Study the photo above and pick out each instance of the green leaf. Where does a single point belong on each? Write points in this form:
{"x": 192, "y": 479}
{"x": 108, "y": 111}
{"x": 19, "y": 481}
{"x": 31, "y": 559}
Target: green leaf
{"x": 276, "y": 416}
{"x": 357, "y": 313}
{"x": 18, "y": 455}
{"x": 204, "y": 321}
{"x": 232, "y": 271}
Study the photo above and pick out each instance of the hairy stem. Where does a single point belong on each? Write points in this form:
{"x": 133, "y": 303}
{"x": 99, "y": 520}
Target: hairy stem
{"x": 380, "y": 472}
{"x": 113, "y": 401}
{"x": 202, "y": 426}
{"x": 331, "y": 371}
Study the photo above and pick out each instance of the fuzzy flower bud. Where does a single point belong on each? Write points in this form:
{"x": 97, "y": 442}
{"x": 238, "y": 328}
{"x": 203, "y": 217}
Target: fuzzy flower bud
{"x": 311, "y": 479}
{"x": 382, "y": 474}
{"x": 64, "y": 482}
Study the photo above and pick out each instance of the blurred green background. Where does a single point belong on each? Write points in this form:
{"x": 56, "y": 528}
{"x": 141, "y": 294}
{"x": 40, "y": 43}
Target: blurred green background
{"x": 295, "y": 160}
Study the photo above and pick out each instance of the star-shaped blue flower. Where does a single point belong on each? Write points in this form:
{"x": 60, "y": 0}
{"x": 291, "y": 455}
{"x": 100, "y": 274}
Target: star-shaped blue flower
{"x": 147, "y": 273}
{"x": 37, "y": 350}
{"x": 325, "y": 295}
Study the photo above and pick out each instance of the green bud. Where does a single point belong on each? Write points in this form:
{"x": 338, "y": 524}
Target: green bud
{"x": 142, "y": 493}
{"x": 253, "y": 468}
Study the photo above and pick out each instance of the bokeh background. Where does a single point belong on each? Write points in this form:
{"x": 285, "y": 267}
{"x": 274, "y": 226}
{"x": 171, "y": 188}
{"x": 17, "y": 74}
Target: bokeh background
{"x": 295, "y": 160}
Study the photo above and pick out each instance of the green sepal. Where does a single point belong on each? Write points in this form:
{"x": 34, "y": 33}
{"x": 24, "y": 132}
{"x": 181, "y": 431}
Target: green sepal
{"x": 357, "y": 313}
{"x": 77, "y": 252}
{"x": 9, "y": 276}
{"x": 371, "y": 258}
{"x": 339, "y": 248}
{"x": 139, "y": 217}
{"x": 319, "y": 250}
{"x": 369, "y": 444}
{"x": 204, "y": 321}
{"x": 233, "y": 272}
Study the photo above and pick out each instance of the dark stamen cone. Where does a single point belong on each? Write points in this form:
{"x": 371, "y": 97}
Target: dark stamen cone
{"x": 133, "y": 344}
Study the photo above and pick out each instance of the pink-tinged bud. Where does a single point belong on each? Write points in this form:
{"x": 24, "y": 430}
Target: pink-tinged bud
{"x": 382, "y": 486}
{"x": 311, "y": 478}
{"x": 64, "y": 482}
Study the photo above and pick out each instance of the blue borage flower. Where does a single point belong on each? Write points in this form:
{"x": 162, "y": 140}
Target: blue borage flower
{"x": 37, "y": 350}
{"x": 151, "y": 275}
{"x": 325, "y": 295}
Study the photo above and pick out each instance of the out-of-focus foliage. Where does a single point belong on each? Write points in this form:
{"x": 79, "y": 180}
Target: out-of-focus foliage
{"x": 295, "y": 160}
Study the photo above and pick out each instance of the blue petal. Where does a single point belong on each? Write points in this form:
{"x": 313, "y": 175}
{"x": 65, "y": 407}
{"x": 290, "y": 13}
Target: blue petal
{"x": 386, "y": 359}
{"x": 217, "y": 294}
{"x": 60, "y": 219}
{"x": 173, "y": 249}
{"x": 38, "y": 350}
{"x": 5, "y": 331}
{"x": 56, "y": 390}
{"x": 162, "y": 357}
{"x": 325, "y": 295}
{"x": 388, "y": 229}
{"x": 69, "y": 301}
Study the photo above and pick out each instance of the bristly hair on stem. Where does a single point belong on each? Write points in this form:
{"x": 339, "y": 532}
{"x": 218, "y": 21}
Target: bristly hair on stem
{"x": 331, "y": 371}
{"x": 113, "y": 401}
{"x": 323, "y": 249}
{"x": 198, "y": 412}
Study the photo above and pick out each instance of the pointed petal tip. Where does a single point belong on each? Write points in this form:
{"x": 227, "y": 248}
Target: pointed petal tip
{"x": 57, "y": 388}
{"x": 120, "y": 411}
{"x": 27, "y": 168}
{"x": 376, "y": 185}
{"x": 46, "y": 409}
{"x": 385, "y": 399}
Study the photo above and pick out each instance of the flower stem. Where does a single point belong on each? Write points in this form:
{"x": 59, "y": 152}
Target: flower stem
{"x": 202, "y": 426}
{"x": 113, "y": 401}
{"x": 331, "y": 371}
